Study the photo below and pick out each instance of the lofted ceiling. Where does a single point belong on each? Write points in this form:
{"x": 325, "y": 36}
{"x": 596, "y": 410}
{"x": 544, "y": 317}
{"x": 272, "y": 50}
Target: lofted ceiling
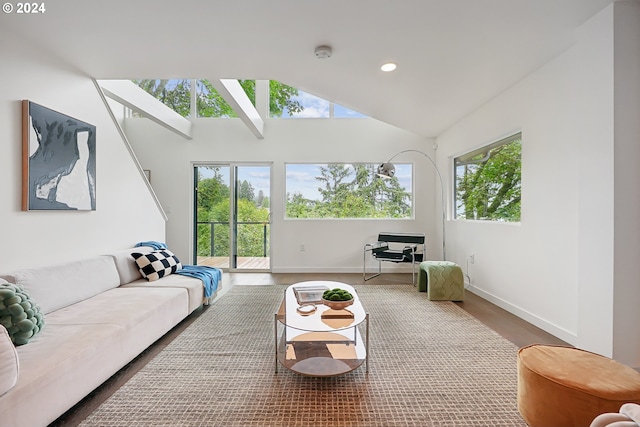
{"x": 452, "y": 55}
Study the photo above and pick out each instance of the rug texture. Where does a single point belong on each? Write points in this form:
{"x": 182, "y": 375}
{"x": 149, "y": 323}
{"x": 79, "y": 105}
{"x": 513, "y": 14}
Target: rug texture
{"x": 431, "y": 364}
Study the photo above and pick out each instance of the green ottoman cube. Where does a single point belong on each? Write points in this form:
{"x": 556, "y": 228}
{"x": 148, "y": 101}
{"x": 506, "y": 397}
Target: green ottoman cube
{"x": 442, "y": 280}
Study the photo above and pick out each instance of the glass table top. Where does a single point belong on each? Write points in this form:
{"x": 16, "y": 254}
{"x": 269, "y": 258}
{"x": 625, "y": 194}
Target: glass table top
{"x": 323, "y": 318}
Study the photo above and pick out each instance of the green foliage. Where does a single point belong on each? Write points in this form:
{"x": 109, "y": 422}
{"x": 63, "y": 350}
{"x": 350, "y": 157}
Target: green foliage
{"x": 332, "y": 178}
{"x": 209, "y": 103}
{"x": 280, "y": 97}
{"x": 176, "y": 94}
{"x": 212, "y": 191}
{"x": 213, "y": 217}
{"x": 337, "y": 294}
{"x": 251, "y": 229}
{"x": 491, "y": 189}
{"x": 246, "y": 191}
{"x": 352, "y": 191}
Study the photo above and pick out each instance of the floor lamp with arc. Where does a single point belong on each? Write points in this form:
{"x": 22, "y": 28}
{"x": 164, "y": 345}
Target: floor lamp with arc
{"x": 388, "y": 170}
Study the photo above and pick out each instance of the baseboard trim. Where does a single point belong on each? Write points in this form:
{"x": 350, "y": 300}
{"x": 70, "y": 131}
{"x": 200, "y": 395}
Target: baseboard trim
{"x": 344, "y": 270}
{"x": 541, "y": 323}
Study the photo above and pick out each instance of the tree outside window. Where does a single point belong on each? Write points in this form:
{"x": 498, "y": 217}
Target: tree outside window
{"x": 284, "y": 101}
{"x": 488, "y": 182}
{"x": 339, "y": 191}
{"x": 176, "y": 94}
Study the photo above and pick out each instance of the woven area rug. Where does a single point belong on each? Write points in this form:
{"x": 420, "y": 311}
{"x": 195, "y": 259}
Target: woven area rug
{"x": 431, "y": 364}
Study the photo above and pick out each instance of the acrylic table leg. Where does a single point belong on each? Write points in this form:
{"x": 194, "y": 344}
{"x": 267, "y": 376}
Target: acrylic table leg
{"x": 366, "y": 346}
{"x": 275, "y": 340}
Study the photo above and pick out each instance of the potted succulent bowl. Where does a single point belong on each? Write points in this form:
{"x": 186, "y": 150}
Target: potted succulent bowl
{"x": 337, "y": 299}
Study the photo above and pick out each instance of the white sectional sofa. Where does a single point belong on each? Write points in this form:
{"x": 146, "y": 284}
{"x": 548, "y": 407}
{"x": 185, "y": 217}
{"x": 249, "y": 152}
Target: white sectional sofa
{"x": 99, "y": 314}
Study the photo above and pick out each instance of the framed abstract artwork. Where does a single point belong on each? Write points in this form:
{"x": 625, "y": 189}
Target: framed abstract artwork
{"x": 58, "y": 161}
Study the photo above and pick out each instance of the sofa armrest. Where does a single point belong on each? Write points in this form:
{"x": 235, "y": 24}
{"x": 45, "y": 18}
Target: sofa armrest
{"x": 9, "y": 364}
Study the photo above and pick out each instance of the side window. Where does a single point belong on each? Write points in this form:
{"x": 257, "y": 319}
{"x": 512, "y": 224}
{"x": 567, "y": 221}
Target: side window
{"x": 488, "y": 182}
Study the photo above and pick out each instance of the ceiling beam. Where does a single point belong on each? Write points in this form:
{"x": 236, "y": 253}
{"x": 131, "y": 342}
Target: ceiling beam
{"x": 235, "y": 96}
{"x": 130, "y": 95}
{"x": 262, "y": 98}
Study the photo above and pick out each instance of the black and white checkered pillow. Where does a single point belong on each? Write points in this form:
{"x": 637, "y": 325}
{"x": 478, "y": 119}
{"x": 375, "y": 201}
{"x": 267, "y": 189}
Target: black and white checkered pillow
{"x": 157, "y": 264}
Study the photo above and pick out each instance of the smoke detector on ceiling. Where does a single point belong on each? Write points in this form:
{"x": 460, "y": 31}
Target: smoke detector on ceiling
{"x": 323, "y": 52}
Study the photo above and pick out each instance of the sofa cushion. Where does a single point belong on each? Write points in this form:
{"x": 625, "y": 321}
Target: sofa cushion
{"x": 64, "y": 284}
{"x": 9, "y": 365}
{"x": 126, "y": 265}
{"x": 157, "y": 264}
{"x": 193, "y": 286}
{"x": 57, "y": 369}
{"x": 82, "y": 346}
{"x": 19, "y": 314}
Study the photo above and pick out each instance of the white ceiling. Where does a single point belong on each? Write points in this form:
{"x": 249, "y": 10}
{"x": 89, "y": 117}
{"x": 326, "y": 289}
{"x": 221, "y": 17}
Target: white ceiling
{"x": 452, "y": 55}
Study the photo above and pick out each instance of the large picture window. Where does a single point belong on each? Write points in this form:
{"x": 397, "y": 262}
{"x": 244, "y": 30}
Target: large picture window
{"x": 487, "y": 182}
{"x": 339, "y": 190}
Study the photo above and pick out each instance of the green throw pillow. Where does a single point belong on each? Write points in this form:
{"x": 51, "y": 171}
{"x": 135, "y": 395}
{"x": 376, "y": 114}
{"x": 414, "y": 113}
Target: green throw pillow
{"x": 19, "y": 313}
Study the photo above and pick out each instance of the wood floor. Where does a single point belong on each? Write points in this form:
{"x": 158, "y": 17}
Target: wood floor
{"x": 243, "y": 263}
{"x": 509, "y": 326}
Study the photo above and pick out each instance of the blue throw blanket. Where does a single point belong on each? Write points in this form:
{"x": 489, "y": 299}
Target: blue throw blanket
{"x": 210, "y": 276}
{"x": 152, "y": 243}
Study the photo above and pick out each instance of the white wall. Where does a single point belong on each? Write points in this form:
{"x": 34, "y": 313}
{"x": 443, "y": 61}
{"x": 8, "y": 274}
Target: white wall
{"x": 330, "y": 245}
{"x": 594, "y": 99}
{"x": 626, "y": 299}
{"x": 125, "y": 211}
{"x": 561, "y": 267}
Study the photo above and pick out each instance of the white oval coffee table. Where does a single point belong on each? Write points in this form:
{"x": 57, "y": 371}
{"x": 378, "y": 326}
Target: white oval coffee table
{"x": 321, "y": 342}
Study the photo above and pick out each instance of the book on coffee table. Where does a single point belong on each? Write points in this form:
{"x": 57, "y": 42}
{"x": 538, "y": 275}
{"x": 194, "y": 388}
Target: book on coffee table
{"x": 337, "y": 314}
{"x": 309, "y": 294}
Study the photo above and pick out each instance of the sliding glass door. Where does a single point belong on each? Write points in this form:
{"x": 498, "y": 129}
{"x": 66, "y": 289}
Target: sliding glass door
{"x": 232, "y": 216}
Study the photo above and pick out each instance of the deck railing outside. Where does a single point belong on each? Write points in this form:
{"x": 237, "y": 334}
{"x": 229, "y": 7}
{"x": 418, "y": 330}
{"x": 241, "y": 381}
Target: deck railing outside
{"x": 213, "y": 224}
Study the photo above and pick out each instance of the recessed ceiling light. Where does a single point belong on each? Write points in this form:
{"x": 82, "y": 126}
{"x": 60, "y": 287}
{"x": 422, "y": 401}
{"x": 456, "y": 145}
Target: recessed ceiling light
{"x": 389, "y": 66}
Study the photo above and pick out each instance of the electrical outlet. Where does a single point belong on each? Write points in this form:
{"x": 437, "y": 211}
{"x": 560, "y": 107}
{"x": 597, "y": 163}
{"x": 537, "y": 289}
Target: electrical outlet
{"x": 472, "y": 259}
{"x": 302, "y": 248}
